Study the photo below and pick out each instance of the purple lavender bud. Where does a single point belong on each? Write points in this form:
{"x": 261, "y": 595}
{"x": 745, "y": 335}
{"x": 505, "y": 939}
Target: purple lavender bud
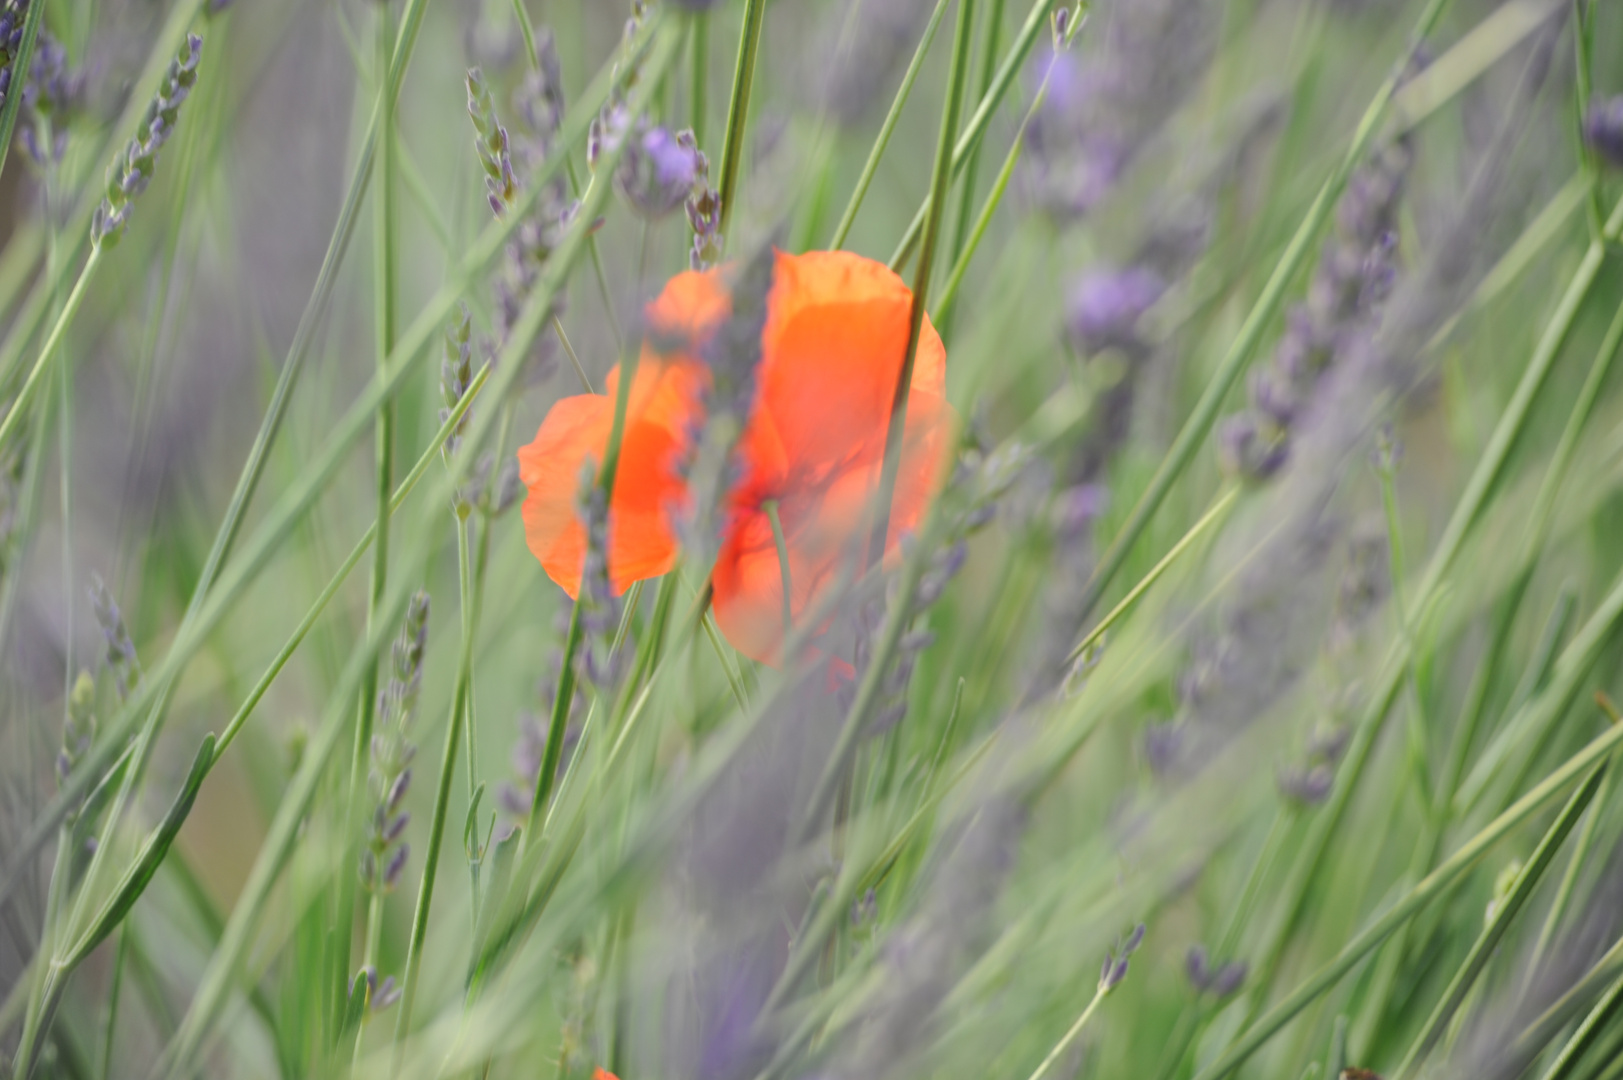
{"x": 1230, "y": 977}
{"x": 1603, "y": 129}
{"x": 391, "y": 876}
{"x": 398, "y": 790}
{"x": 1330, "y": 745}
{"x": 1162, "y": 743}
{"x": 1078, "y": 507}
{"x": 1309, "y": 786}
{"x": 1134, "y": 940}
{"x": 1105, "y": 306}
{"x": 387, "y": 994}
{"x": 1250, "y": 452}
{"x": 659, "y": 171}
{"x": 1114, "y": 972}
{"x": 1196, "y": 966}
{"x": 395, "y": 828}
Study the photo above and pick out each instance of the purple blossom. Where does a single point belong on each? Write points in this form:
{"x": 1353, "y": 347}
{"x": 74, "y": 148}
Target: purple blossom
{"x": 1603, "y": 128}
{"x": 660, "y": 171}
{"x": 1105, "y": 306}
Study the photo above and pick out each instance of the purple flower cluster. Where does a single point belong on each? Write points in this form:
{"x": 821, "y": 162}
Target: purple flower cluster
{"x": 660, "y": 172}
{"x": 597, "y": 662}
{"x": 132, "y": 170}
{"x": 539, "y": 103}
{"x": 1342, "y": 308}
{"x": 384, "y": 856}
{"x": 1603, "y": 129}
{"x": 1209, "y": 977}
{"x": 732, "y": 355}
{"x": 53, "y": 89}
{"x": 1105, "y": 103}
{"x": 120, "y": 656}
{"x": 12, "y": 14}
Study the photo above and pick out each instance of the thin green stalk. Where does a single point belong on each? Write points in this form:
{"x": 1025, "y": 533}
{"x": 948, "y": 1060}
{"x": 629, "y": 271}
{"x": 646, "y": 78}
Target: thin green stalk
{"x": 224, "y": 538}
{"x": 436, "y": 833}
{"x": 738, "y": 108}
{"x": 429, "y": 455}
{"x": 1504, "y": 914}
{"x": 211, "y": 604}
{"x": 966, "y": 196}
{"x": 47, "y": 352}
{"x": 976, "y": 126}
{"x": 1569, "y": 879}
{"x": 1542, "y": 517}
{"x": 384, "y": 299}
{"x": 782, "y": 544}
{"x": 1218, "y": 511}
{"x": 699, "y": 75}
{"x": 220, "y": 974}
{"x": 526, "y": 30}
{"x": 115, "y": 987}
{"x": 1261, "y": 317}
{"x": 1445, "y": 875}
{"x": 1600, "y": 1018}
{"x": 882, "y": 140}
{"x": 940, "y": 182}
{"x": 1069, "y": 1037}
{"x": 1484, "y": 478}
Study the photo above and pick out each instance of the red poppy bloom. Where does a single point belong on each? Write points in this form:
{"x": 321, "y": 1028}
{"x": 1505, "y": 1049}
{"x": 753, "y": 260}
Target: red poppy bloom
{"x": 831, "y": 353}
{"x": 603, "y": 1074}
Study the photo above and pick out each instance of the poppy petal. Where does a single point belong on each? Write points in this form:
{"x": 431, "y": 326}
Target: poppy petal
{"x": 822, "y": 526}
{"x": 642, "y": 543}
{"x": 835, "y": 339}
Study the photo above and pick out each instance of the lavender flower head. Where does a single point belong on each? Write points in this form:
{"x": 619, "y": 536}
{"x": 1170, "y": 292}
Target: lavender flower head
{"x": 1115, "y": 965}
{"x": 12, "y": 14}
{"x": 732, "y": 355}
{"x": 52, "y": 91}
{"x": 599, "y": 607}
{"x": 1206, "y": 976}
{"x": 120, "y": 657}
{"x": 1342, "y": 309}
{"x": 1603, "y": 129}
{"x": 539, "y": 102}
{"x": 385, "y": 853}
{"x": 1105, "y": 307}
{"x": 132, "y": 170}
{"x": 659, "y": 172}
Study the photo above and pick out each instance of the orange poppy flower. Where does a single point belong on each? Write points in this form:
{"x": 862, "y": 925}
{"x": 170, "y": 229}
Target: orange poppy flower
{"x": 603, "y": 1074}
{"x": 831, "y": 352}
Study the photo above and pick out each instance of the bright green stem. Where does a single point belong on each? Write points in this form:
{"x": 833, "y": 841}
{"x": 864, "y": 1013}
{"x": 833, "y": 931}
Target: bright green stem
{"x": 53, "y": 342}
{"x": 383, "y": 296}
{"x": 1444, "y": 876}
{"x": 1600, "y": 1018}
{"x": 1218, "y": 511}
{"x": 976, "y": 126}
{"x": 699, "y": 76}
{"x": 877, "y": 151}
{"x": 1195, "y": 429}
{"x": 220, "y": 975}
{"x": 209, "y": 604}
{"x": 966, "y": 196}
{"x": 940, "y": 182}
{"x": 431, "y": 862}
{"x": 1483, "y": 479}
{"x": 1069, "y": 1037}
{"x": 430, "y": 454}
{"x": 782, "y": 544}
{"x": 1505, "y": 913}
{"x": 749, "y": 46}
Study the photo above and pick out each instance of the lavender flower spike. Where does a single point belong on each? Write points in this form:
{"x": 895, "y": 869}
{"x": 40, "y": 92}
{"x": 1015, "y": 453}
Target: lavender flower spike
{"x": 132, "y": 170}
